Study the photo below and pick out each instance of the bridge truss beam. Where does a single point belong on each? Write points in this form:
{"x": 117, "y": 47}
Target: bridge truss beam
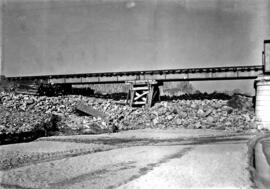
{"x": 190, "y": 74}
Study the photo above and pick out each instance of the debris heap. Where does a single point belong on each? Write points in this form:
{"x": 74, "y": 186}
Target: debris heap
{"x": 25, "y": 113}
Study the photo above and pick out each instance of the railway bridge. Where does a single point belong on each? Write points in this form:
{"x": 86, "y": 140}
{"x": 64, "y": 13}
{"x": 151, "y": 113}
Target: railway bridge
{"x": 144, "y": 84}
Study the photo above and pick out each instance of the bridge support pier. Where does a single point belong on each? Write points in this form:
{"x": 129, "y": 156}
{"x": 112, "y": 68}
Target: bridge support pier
{"x": 143, "y": 93}
{"x": 262, "y": 104}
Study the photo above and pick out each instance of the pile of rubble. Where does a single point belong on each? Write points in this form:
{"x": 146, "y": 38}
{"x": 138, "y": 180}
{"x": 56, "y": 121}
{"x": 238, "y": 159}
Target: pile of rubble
{"x": 17, "y": 126}
{"x": 25, "y": 113}
{"x": 199, "y": 114}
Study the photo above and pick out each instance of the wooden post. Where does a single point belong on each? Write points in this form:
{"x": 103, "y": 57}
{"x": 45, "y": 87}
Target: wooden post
{"x": 131, "y": 96}
{"x": 150, "y": 95}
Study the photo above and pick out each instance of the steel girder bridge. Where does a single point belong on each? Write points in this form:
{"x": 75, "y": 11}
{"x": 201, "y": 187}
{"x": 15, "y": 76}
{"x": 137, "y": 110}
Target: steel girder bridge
{"x": 143, "y": 84}
{"x": 189, "y": 74}
{"x": 144, "y": 88}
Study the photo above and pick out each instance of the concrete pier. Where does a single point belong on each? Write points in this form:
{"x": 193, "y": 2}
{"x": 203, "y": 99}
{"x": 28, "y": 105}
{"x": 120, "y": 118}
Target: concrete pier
{"x": 262, "y": 109}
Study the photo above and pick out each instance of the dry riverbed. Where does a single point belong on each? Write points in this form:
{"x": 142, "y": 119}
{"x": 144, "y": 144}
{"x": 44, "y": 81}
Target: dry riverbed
{"x": 145, "y": 158}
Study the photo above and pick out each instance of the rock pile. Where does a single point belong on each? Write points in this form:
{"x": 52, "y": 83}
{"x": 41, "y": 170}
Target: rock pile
{"x": 24, "y": 113}
{"x": 17, "y": 126}
{"x": 197, "y": 114}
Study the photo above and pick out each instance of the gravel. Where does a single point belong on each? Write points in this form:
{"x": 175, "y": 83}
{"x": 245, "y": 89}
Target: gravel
{"x": 27, "y": 153}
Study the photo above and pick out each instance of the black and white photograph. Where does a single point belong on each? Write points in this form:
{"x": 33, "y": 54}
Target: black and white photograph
{"x": 134, "y": 94}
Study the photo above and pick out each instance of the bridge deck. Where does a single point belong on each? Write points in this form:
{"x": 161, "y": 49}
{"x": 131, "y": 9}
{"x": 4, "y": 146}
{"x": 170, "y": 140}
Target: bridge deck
{"x": 189, "y": 74}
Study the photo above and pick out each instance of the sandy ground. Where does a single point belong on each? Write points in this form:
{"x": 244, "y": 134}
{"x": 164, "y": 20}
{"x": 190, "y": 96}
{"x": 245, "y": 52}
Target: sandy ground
{"x": 96, "y": 170}
{"x": 206, "y": 166}
{"x": 47, "y": 147}
{"x": 150, "y": 134}
{"x": 133, "y": 159}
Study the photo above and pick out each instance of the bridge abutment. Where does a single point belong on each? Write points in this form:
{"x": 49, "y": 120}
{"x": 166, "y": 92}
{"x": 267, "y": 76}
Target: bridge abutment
{"x": 262, "y": 87}
{"x": 262, "y": 104}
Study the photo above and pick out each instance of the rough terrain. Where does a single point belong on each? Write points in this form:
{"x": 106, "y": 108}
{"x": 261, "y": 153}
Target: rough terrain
{"x": 23, "y": 115}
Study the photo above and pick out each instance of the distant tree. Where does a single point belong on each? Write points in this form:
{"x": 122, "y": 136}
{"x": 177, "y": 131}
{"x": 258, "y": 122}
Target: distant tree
{"x": 197, "y": 92}
{"x": 186, "y": 87}
{"x": 237, "y": 91}
{"x": 178, "y": 87}
{"x": 228, "y": 92}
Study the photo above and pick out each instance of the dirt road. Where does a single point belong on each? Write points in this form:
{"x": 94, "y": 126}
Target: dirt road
{"x": 133, "y": 159}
